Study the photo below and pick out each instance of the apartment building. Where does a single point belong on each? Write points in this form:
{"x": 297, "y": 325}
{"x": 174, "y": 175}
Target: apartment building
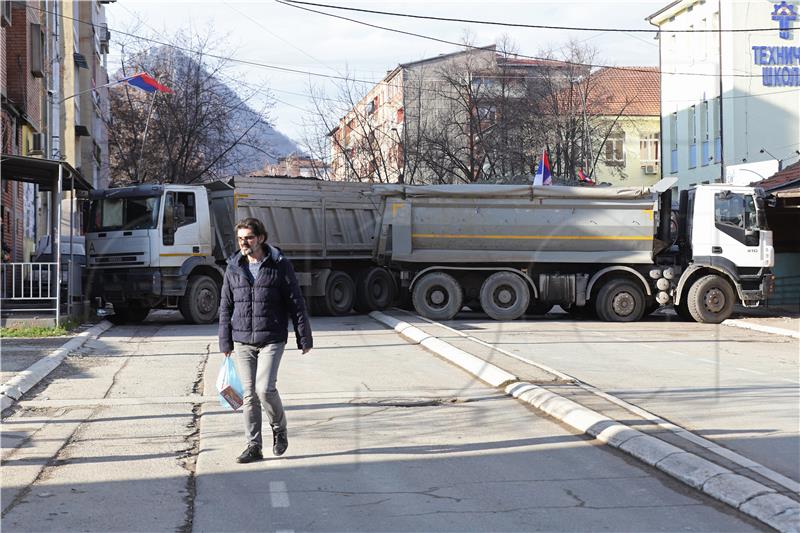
{"x": 52, "y": 56}
{"x": 730, "y": 99}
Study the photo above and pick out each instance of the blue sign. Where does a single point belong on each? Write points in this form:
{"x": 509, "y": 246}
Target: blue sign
{"x": 784, "y": 14}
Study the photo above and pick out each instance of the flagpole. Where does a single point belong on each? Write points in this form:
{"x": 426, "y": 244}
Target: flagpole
{"x": 92, "y": 89}
{"x": 144, "y": 135}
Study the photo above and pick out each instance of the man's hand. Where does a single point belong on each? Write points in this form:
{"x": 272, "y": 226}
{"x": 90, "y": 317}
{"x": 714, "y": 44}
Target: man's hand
{"x": 306, "y": 350}
{"x": 226, "y": 354}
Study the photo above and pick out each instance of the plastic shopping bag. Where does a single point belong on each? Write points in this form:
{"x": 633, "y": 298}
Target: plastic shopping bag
{"x": 229, "y": 387}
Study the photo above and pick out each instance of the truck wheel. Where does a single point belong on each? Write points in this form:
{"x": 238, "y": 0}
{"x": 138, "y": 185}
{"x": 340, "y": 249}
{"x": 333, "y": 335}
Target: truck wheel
{"x": 374, "y": 290}
{"x": 340, "y": 292}
{"x": 710, "y": 299}
{"x": 620, "y": 301}
{"x": 132, "y": 314}
{"x": 505, "y": 296}
{"x": 438, "y": 296}
{"x": 200, "y": 304}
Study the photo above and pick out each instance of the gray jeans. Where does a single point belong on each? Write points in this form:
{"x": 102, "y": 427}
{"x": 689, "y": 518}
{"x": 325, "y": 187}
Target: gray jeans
{"x": 261, "y": 363}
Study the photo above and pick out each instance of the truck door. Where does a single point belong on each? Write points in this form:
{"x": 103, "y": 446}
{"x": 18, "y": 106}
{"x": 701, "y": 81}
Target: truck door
{"x": 180, "y": 237}
{"x": 737, "y": 233}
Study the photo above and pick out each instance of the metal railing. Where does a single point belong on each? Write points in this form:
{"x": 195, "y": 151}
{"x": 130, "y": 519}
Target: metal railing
{"x": 30, "y": 287}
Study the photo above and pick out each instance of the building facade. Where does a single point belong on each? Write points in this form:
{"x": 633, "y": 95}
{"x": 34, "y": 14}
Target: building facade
{"x": 52, "y": 57}
{"x": 624, "y": 106}
{"x": 296, "y": 166}
{"x": 730, "y": 99}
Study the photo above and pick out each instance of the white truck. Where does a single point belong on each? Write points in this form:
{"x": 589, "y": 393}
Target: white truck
{"x": 506, "y": 249}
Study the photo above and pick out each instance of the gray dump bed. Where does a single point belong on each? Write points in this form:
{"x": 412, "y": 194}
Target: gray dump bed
{"x": 510, "y": 223}
{"x": 311, "y": 219}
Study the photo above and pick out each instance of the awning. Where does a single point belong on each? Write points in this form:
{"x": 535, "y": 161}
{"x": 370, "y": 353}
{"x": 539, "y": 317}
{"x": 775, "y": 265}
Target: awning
{"x": 42, "y": 172}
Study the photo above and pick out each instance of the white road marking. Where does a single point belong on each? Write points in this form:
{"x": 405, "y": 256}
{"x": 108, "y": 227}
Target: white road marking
{"x": 278, "y": 494}
{"x": 790, "y": 381}
{"x": 673, "y": 352}
{"x": 709, "y": 361}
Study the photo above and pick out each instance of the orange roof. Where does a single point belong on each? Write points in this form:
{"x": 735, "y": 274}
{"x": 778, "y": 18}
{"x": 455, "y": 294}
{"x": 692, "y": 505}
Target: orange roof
{"x": 634, "y": 91}
{"x": 784, "y": 179}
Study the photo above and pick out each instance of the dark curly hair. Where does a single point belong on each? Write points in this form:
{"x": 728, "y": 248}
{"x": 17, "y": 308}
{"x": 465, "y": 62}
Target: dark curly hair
{"x": 254, "y": 225}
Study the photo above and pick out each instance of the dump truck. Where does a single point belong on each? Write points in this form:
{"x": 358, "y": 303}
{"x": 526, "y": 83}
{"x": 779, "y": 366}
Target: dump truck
{"x": 507, "y": 250}
{"x": 165, "y": 246}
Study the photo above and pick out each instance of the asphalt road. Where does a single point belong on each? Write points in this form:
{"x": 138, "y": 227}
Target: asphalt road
{"x": 738, "y": 388}
{"x": 127, "y": 435}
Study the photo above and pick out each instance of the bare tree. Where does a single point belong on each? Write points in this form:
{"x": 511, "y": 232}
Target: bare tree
{"x": 199, "y": 132}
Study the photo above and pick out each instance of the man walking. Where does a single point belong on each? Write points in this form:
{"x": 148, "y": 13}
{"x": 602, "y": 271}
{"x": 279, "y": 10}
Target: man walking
{"x": 259, "y": 292}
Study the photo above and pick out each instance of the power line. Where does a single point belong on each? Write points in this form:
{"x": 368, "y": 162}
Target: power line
{"x": 370, "y": 82}
{"x": 520, "y": 25}
{"x": 464, "y": 45}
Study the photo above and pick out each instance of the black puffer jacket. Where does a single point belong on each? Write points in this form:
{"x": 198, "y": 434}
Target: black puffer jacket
{"x": 257, "y": 312}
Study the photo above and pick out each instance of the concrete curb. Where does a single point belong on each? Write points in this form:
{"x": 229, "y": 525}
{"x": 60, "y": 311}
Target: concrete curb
{"x": 14, "y": 388}
{"x": 759, "y": 327}
{"x": 748, "y": 496}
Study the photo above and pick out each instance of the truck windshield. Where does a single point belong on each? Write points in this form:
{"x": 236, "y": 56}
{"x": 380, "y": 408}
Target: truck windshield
{"x": 109, "y": 214}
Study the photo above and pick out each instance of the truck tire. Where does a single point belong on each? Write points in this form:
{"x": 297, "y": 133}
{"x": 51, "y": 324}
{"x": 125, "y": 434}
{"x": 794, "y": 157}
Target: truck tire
{"x": 374, "y": 290}
{"x": 438, "y": 296}
{"x": 200, "y": 303}
{"x": 505, "y": 296}
{"x": 340, "y": 292}
{"x": 710, "y": 299}
{"x": 131, "y": 314}
{"x": 620, "y": 300}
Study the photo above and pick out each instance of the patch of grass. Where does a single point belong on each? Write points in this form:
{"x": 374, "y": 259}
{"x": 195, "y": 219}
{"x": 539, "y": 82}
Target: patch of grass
{"x": 39, "y": 331}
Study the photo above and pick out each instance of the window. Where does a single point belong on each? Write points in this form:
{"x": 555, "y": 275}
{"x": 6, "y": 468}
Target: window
{"x": 186, "y": 202}
{"x": 615, "y": 149}
{"x": 705, "y": 154}
{"x": 673, "y": 142}
{"x": 649, "y": 152}
{"x": 487, "y": 113}
{"x": 37, "y": 50}
{"x": 736, "y": 216}
{"x": 716, "y": 109}
{"x": 692, "y": 136}
{"x": 399, "y": 116}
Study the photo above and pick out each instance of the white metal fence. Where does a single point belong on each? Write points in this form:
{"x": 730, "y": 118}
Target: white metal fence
{"x": 30, "y": 287}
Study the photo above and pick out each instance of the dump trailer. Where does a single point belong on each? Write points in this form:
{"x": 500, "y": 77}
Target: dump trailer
{"x": 165, "y": 246}
{"x": 510, "y": 250}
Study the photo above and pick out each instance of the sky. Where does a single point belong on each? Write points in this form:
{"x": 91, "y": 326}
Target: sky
{"x": 273, "y": 33}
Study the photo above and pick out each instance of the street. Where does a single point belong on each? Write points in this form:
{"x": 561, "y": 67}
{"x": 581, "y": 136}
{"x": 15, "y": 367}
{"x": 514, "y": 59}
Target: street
{"x": 127, "y": 433}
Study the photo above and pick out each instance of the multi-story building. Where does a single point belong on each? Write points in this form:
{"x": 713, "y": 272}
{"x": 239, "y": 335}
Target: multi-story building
{"x": 295, "y": 166}
{"x": 52, "y": 56}
{"x": 456, "y": 117}
{"x": 484, "y": 116}
{"x": 624, "y": 107}
{"x": 730, "y": 98}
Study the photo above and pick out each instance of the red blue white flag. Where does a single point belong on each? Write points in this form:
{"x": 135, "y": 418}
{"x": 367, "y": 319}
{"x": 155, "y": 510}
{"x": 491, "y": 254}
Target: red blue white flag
{"x": 544, "y": 175}
{"x": 146, "y": 83}
{"x": 584, "y": 178}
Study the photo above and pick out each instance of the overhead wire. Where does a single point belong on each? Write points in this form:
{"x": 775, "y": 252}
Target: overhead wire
{"x": 464, "y": 45}
{"x": 521, "y": 25}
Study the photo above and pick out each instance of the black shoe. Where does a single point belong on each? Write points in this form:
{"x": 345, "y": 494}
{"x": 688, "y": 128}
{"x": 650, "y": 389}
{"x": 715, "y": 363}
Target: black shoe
{"x": 279, "y": 442}
{"x": 252, "y": 453}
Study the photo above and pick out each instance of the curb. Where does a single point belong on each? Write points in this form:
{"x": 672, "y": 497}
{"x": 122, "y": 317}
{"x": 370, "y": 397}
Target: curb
{"x": 14, "y": 388}
{"x": 748, "y": 496}
{"x": 737, "y": 323}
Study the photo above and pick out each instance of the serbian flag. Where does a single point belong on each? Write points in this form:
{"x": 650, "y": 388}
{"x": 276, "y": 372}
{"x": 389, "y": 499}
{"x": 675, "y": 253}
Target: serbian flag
{"x": 584, "y": 178}
{"x": 543, "y": 176}
{"x": 146, "y": 83}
